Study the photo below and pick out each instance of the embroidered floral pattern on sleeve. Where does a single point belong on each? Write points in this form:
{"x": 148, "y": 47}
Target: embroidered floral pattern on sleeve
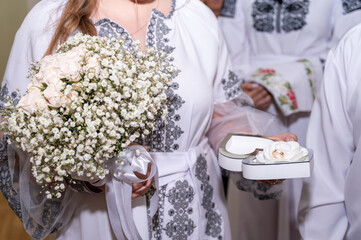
{"x": 231, "y": 85}
{"x": 180, "y": 197}
{"x": 280, "y": 88}
{"x": 228, "y": 8}
{"x": 214, "y": 219}
{"x": 285, "y": 16}
{"x": 309, "y": 68}
{"x": 351, "y": 5}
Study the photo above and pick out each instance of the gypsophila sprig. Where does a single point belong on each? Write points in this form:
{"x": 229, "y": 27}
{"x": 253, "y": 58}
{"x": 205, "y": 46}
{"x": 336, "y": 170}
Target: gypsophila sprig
{"x": 85, "y": 104}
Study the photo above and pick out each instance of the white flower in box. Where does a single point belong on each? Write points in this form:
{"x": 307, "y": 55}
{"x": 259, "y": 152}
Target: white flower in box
{"x": 279, "y": 152}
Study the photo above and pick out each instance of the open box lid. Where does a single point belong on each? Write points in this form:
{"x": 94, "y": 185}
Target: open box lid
{"x": 236, "y": 147}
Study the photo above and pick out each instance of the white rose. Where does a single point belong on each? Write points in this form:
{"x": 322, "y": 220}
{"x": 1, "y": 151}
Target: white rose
{"x": 69, "y": 64}
{"x": 55, "y": 97}
{"x": 33, "y": 101}
{"x": 282, "y": 152}
{"x": 46, "y": 63}
{"x": 49, "y": 72}
{"x": 93, "y": 63}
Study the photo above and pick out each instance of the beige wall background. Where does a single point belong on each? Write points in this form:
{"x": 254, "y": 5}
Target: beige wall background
{"x": 12, "y": 13}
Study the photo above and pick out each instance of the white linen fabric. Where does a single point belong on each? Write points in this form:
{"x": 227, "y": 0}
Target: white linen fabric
{"x": 330, "y": 203}
{"x": 192, "y": 204}
{"x": 281, "y": 45}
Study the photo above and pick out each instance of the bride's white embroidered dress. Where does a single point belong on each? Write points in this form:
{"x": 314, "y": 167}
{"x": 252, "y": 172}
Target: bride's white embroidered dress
{"x": 191, "y": 198}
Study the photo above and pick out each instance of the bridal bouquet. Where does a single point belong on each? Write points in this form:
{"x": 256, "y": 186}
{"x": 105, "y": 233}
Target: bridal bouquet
{"x": 85, "y": 104}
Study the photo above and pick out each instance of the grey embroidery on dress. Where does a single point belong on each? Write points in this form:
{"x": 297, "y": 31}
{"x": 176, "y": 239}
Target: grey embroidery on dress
{"x": 214, "y": 219}
{"x": 351, "y": 5}
{"x": 228, "y": 8}
{"x": 9, "y": 186}
{"x": 3, "y": 152}
{"x": 50, "y": 212}
{"x": 156, "y": 223}
{"x": 157, "y": 30}
{"x": 8, "y": 189}
{"x": 231, "y": 85}
{"x": 6, "y": 184}
{"x": 164, "y": 138}
{"x": 5, "y": 95}
{"x": 108, "y": 28}
{"x": 171, "y": 12}
{"x": 181, "y": 225}
{"x": 173, "y": 131}
{"x": 282, "y": 16}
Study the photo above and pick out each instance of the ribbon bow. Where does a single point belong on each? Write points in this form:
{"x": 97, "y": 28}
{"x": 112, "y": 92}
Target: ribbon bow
{"x": 118, "y": 187}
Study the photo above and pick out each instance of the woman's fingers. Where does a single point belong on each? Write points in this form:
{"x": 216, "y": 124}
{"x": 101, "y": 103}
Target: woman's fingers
{"x": 248, "y": 86}
{"x": 136, "y": 186}
{"x": 286, "y": 137}
{"x": 260, "y": 96}
{"x": 140, "y": 189}
{"x": 141, "y": 176}
{"x": 266, "y": 102}
{"x": 271, "y": 182}
{"x": 263, "y": 100}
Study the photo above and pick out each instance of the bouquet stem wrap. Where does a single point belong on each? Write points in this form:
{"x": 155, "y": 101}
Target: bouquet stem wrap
{"x": 118, "y": 190}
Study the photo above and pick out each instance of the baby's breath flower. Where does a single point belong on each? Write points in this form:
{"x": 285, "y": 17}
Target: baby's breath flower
{"x": 109, "y": 97}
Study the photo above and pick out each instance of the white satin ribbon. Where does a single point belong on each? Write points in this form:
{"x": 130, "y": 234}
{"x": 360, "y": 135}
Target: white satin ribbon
{"x": 118, "y": 190}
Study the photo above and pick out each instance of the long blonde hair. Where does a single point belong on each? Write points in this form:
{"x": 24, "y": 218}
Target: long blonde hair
{"x": 76, "y": 15}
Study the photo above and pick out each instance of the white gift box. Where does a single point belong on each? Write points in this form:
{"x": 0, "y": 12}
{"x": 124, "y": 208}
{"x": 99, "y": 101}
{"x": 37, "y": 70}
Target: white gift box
{"x": 238, "y": 151}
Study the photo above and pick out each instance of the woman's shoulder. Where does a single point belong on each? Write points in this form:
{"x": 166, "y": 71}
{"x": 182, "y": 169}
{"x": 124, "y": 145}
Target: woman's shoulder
{"x": 197, "y": 14}
{"x": 43, "y": 14}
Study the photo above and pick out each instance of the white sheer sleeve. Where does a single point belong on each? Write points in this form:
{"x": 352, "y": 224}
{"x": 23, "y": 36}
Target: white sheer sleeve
{"x": 233, "y": 112}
